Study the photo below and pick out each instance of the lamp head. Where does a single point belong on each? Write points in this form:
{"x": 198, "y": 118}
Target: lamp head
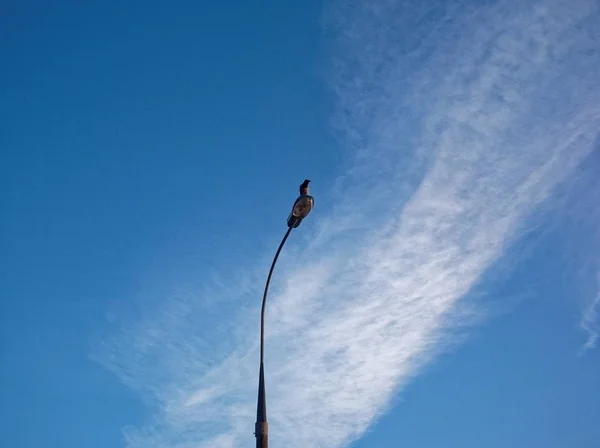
{"x": 300, "y": 210}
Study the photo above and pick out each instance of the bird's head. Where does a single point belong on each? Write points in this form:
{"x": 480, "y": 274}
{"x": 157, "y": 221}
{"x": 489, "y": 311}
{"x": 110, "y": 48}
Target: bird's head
{"x": 304, "y": 187}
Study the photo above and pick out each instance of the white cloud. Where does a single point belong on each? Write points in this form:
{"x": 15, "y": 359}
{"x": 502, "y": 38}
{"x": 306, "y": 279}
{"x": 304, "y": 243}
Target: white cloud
{"x": 456, "y": 140}
{"x": 589, "y": 323}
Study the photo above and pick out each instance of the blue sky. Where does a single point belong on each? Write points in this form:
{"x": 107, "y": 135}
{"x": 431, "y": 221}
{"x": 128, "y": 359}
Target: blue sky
{"x": 444, "y": 291}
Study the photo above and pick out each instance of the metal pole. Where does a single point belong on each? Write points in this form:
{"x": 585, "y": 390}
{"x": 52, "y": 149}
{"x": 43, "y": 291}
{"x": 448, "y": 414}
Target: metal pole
{"x": 261, "y": 428}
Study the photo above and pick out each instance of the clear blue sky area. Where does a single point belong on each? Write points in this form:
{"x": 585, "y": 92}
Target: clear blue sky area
{"x": 147, "y": 144}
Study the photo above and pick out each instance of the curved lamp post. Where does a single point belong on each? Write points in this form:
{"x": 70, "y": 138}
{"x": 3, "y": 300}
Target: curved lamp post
{"x": 300, "y": 210}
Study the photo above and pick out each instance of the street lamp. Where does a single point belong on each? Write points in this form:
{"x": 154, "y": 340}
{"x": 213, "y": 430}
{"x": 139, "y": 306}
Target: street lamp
{"x": 300, "y": 210}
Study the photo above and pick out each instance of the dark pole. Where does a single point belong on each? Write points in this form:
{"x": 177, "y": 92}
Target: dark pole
{"x": 261, "y": 428}
{"x": 300, "y": 210}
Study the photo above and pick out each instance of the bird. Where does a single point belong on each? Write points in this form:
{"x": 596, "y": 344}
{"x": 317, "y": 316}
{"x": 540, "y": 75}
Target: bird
{"x": 304, "y": 187}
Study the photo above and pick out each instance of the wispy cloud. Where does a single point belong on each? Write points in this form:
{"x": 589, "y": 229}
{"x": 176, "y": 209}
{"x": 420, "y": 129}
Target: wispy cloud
{"x": 589, "y": 323}
{"x": 460, "y": 121}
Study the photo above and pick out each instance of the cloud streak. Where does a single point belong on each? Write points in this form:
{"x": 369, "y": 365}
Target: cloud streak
{"x": 459, "y": 122}
{"x": 589, "y": 323}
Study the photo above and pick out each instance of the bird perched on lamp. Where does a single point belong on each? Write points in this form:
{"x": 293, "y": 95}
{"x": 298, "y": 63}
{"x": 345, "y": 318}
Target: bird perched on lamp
{"x": 302, "y": 206}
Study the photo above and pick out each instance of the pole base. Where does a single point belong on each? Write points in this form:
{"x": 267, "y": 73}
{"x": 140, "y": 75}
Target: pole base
{"x": 261, "y": 431}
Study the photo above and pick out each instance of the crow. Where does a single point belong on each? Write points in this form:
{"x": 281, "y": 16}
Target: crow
{"x": 304, "y": 187}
